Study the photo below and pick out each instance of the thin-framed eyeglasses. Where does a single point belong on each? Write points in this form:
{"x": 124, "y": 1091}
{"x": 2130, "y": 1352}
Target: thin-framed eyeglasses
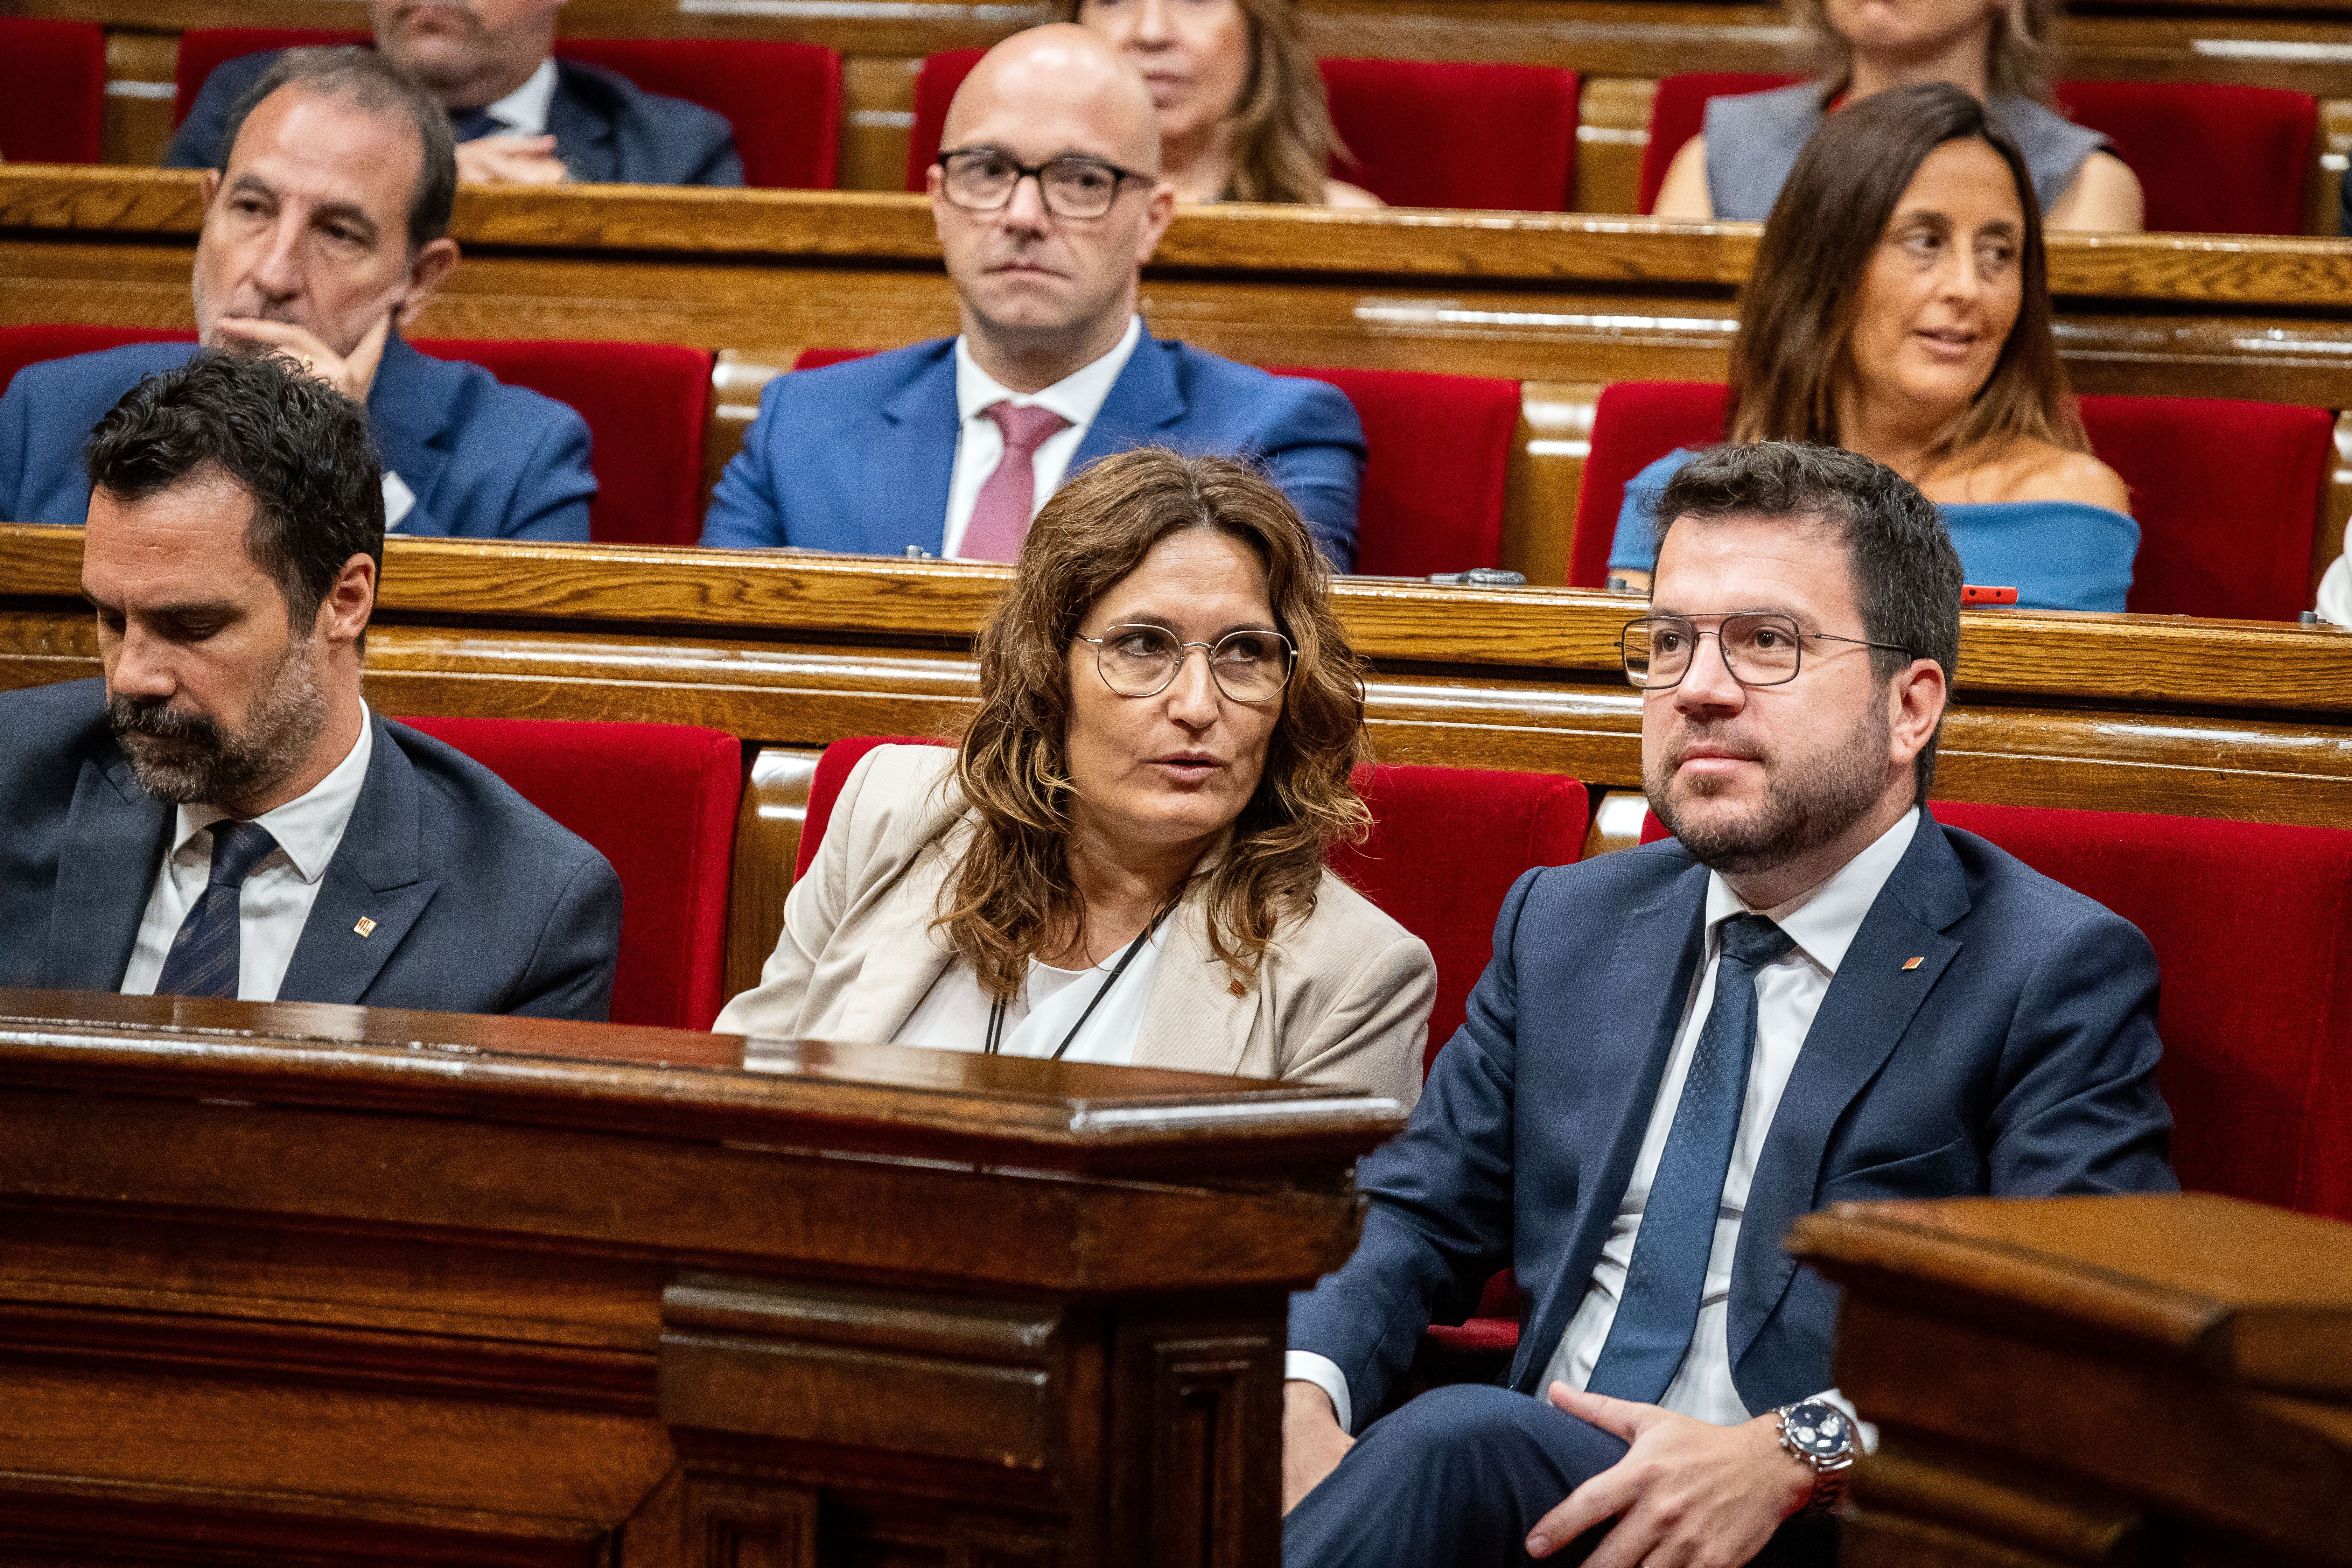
{"x": 1142, "y": 661}
{"x": 981, "y": 180}
{"x": 1760, "y": 649}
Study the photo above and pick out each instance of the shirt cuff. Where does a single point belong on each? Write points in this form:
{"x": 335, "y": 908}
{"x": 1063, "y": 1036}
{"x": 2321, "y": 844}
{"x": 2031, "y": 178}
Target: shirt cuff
{"x": 1306, "y": 1366}
{"x": 1864, "y": 1433}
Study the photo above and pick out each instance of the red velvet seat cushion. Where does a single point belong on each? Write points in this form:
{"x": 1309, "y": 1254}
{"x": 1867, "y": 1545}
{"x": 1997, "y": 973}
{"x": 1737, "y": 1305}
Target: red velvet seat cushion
{"x": 54, "y": 108}
{"x": 2227, "y": 494}
{"x": 21, "y": 346}
{"x": 1422, "y": 133}
{"x": 2210, "y": 159}
{"x": 2251, "y": 923}
{"x": 784, "y": 100}
{"x": 657, "y": 801}
{"x": 646, "y": 405}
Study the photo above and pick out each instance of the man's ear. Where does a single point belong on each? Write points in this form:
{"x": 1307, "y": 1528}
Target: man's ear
{"x": 349, "y": 600}
{"x": 1917, "y": 700}
{"x": 931, "y": 178}
{"x": 429, "y": 269}
{"x": 209, "y": 187}
{"x": 1158, "y": 211}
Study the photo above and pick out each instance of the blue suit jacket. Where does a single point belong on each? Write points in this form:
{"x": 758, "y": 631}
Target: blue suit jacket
{"x": 606, "y": 128}
{"x": 858, "y": 456}
{"x": 486, "y": 460}
{"x": 482, "y": 904}
{"x": 2018, "y": 1059}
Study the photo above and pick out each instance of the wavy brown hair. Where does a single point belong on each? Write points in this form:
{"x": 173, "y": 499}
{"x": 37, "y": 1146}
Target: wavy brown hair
{"x": 1797, "y": 315}
{"x": 1011, "y": 898}
{"x": 2016, "y": 51}
{"x": 1281, "y": 141}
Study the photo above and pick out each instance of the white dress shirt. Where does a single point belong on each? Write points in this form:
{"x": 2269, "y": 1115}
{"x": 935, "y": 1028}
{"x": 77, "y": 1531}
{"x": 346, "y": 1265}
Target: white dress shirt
{"x": 953, "y": 1014}
{"x": 523, "y": 111}
{"x": 2335, "y": 592}
{"x": 1076, "y": 398}
{"x": 1789, "y": 991}
{"x": 276, "y": 901}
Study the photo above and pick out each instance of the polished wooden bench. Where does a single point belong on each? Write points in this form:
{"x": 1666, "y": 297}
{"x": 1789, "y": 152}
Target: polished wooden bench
{"x": 1562, "y": 305}
{"x": 2240, "y": 720}
{"x": 295, "y": 1282}
{"x": 1620, "y": 48}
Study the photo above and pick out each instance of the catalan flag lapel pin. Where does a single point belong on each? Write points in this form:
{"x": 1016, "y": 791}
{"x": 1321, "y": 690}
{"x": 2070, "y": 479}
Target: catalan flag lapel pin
{"x": 367, "y": 926}
{"x": 1911, "y": 963}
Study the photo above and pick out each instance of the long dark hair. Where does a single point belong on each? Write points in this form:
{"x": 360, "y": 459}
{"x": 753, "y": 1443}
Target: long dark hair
{"x": 1797, "y": 312}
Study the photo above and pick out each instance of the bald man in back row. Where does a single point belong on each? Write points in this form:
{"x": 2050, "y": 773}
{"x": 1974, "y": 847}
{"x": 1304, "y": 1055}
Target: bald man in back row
{"x": 1048, "y": 201}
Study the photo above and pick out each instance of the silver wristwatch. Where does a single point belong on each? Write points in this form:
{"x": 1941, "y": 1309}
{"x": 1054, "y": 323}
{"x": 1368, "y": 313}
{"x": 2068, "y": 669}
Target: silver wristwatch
{"x": 1822, "y": 1435}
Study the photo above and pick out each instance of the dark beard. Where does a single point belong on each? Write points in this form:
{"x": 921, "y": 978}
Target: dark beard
{"x": 186, "y": 759}
{"x": 1804, "y": 806}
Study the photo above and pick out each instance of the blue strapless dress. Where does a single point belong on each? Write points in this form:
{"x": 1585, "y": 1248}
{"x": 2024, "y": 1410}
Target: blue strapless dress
{"x": 2057, "y": 554}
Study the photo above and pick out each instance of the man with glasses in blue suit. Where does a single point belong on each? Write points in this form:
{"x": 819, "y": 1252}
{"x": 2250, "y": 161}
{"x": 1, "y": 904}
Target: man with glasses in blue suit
{"x": 1812, "y": 993}
{"x": 1048, "y": 201}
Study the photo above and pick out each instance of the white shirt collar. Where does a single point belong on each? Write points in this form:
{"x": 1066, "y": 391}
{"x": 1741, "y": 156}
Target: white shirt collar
{"x": 309, "y": 826}
{"x": 1076, "y": 398}
{"x": 1822, "y": 920}
{"x": 523, "y": 111}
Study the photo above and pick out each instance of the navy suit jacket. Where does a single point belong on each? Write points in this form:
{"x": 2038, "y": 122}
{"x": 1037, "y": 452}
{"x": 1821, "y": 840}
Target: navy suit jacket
{"x": 606, "y": 128}
{"x": 484, "y": 460}
{"x": 858, "y": 456}
{"x": 482, "y": 904}
{"x": 2019, "y": 1060}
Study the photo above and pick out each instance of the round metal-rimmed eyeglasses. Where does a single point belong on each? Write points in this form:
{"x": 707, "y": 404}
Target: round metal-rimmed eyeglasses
{"x": 981, "y": 180}
{"x": 1760, "y": 649}
{"x": 1142, "y": 661}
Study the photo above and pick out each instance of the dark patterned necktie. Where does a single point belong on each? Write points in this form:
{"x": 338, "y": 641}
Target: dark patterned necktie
{"x": 1659, "y": 1306}
{"x": 204, "y": 956}
{"x": 472, "y": 124}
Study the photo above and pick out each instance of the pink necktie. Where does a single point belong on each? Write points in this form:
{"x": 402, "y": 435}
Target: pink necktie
{"x": 1001, "y": 516}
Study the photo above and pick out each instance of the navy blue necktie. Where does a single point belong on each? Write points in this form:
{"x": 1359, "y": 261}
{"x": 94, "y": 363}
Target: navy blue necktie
{"x": 472, "y": 124}
{"x": 204, "y": 956}
{"x": 1659, "y": 1306}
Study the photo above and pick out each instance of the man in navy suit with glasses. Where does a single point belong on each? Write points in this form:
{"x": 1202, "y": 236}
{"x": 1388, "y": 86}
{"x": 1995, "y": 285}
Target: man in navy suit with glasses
{"x": 1812, "y": 993}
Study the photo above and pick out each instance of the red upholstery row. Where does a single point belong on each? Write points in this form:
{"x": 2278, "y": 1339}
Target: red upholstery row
{"x": 784, "y": 100}
{"x": 1418, "y": 134}
{"x": 1440, "y": 462}
{"x": 2210, "y": 160}
{"x": 2225, "y": 492}
{"x": 53, "y": 106}
{"x": 644, "y": 405}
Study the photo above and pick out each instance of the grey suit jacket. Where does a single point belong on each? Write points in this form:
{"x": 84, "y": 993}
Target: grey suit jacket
{"x": 482, "y": 904}
{"x": 1343, "y": 997}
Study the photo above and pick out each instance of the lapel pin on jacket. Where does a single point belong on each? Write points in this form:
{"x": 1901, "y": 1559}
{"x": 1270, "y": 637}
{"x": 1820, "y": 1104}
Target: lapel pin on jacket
{"x": 1911, "y": 963}
{"x": 366, "y": 926}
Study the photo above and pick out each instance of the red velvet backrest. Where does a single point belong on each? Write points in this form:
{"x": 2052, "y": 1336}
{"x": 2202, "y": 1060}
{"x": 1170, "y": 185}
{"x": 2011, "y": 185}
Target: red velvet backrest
{"x": 2251, "y": 923}
{"x": 1635, "y": 424}
{"x": 54, "y": 108}
{"x": 1440, "y": 459}
{"x": 1678, "y": 112}
{"x": 2210, "y": 159}
{"x": 2227, "y": 495}
{"x": 21, "y": 346}
{"x": 202, "y": 49}
{"x": 1447, "y": 844}
{"x": 784, "y": 100}
{"x": 1421, "y": 134}
{"x": 657, "y": 801}
{"x": 646, "y": 405}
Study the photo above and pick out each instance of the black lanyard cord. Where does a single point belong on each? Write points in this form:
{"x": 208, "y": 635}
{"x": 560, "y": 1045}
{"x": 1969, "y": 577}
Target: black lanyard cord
{"x": 996, "y": 1011}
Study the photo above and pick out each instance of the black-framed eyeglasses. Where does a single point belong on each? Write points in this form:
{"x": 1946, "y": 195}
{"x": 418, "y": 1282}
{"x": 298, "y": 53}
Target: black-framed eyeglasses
{"x": 1142, "y": 661}
{"x": 1760, "y": 649}
{"x": 981, "y": 180}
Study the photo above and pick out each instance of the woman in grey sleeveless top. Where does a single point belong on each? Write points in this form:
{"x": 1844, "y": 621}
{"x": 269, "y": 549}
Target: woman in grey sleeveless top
{"x": 1736, "y": 167}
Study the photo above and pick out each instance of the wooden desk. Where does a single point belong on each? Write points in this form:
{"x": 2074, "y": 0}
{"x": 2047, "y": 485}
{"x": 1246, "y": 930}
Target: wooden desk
{"x": 328, "y": 1284}
{"x": 1563, "y": 304}
{"x": 2094, "y": 1380}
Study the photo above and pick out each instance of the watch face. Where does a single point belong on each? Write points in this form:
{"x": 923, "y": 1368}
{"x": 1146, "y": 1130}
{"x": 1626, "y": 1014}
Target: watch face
{"x": 1817, "y": 1429}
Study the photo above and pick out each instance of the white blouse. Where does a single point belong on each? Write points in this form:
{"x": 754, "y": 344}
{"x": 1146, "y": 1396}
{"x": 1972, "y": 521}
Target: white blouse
{"x": 953, "y": 1014}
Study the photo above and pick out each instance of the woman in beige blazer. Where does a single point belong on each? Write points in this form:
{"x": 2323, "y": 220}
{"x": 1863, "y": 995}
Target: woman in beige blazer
{"x": 1123, "y": 859}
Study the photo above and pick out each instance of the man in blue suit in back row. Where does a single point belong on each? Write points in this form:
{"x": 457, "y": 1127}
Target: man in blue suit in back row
{"x": 325, "y": 231}
{"x": 1813, "y": 993}
{"x": 221, "y": 815}
{"x": 1048, "y": 202}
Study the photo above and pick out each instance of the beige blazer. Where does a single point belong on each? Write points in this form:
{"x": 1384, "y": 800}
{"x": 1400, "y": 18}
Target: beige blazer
{"x": 1341, "y": 997}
